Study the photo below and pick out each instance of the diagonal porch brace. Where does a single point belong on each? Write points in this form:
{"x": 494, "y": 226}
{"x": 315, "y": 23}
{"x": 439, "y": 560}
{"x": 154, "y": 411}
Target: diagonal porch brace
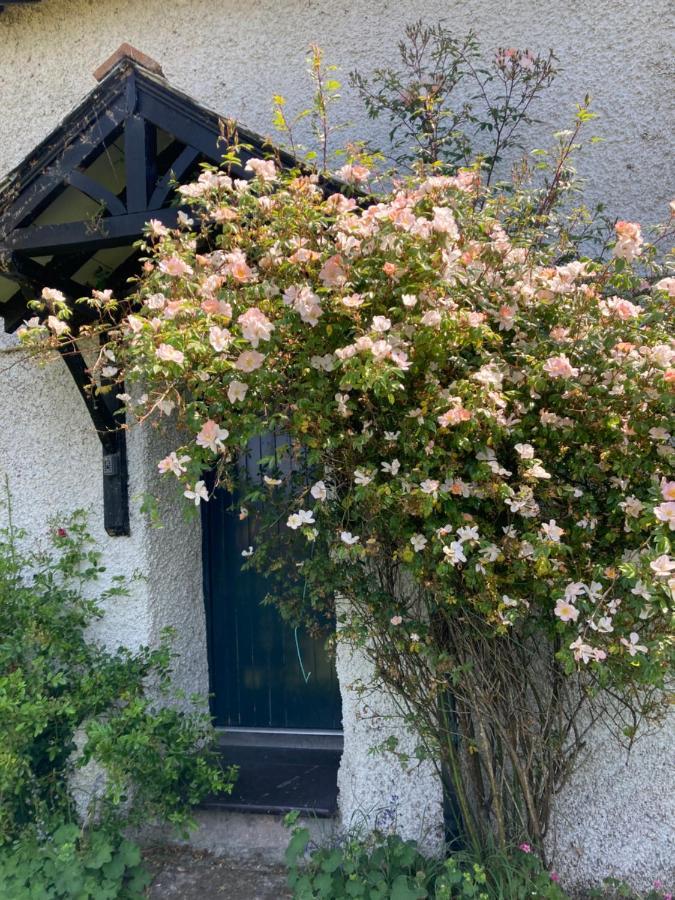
{"x": 113, "y": 441}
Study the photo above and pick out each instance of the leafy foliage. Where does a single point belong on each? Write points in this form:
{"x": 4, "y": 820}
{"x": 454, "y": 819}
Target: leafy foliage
{"x": 479, "y": 450}
{"x": 445, "y": 96}
{"x": 385, "y": 867}
{"x": 58, "y": 685}
{"x": 68, "y": 863}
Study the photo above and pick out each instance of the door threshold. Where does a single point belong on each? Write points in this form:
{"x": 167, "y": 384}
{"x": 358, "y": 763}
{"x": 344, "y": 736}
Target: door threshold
{"x": 280, "y": 738}
{"x": 275, "y": 780}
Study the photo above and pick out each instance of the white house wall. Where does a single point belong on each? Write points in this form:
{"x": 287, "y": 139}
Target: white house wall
{"x": 616, "y": 816}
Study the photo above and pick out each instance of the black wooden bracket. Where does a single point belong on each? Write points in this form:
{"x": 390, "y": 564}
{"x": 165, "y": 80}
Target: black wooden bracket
{"x": 102, "y": 409}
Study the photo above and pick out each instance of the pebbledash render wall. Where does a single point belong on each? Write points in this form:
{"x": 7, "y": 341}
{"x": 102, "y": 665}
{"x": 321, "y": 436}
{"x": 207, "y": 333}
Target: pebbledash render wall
{"x": 617, "y": 815}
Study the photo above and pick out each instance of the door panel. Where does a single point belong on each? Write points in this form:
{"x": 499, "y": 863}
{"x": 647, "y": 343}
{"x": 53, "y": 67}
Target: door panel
{"x": 263, "y": 672}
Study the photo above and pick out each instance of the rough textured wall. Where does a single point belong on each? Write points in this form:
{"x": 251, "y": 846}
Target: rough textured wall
{"x": 613, "y": 817}
{"x": 51, "y": 454}
{"x": 376, "y": 791}
{"x": 616, "y": 816}
{"x": 234, "y": 57}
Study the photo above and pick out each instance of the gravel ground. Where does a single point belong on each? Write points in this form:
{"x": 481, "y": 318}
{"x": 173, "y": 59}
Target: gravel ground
{"x": 184, "y": 874}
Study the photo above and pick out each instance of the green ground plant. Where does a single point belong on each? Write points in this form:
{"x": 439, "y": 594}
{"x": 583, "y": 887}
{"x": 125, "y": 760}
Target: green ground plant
{"x": 382, "y": 866}
{"x": 65, "y": 702}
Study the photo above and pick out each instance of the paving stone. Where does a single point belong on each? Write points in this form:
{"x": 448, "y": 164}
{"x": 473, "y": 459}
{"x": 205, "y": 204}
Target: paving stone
{"x": 180, "y": 873}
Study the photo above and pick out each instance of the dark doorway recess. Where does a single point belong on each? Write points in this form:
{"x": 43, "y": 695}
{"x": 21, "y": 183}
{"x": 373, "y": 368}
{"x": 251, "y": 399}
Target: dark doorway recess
{"x": 264, "y": 673}
{"x": 281, "y": 772}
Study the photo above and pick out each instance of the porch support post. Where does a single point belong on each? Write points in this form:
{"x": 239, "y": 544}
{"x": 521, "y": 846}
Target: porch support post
{"x": 113, "y": 442}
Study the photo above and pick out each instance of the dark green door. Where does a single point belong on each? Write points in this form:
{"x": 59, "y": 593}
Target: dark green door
{"x": 263, "y": 672}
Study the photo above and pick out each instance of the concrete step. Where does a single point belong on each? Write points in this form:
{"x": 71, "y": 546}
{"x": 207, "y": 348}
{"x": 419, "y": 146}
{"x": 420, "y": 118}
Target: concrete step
{"x": 248, "y": 837}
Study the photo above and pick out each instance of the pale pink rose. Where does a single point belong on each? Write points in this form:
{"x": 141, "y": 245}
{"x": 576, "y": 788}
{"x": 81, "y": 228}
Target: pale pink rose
{"x": 172, "y": 308}
{"x": 339, "y": 203}
{"x": 618, "y": 308}
{"x": 175, "y": 266}
{"x": 303, "y": 255}
{"x": 662, "y": 355}
{"x": 668, "y": 489}
{"x": 211, "y": 436}
{"x": 401, "y": 360}
{"x": 213, "y": 307}
{"x": 454, "y": 416}
{"x": 255, "y": 326}
{"x": 466, "y": 180}
{"x": 525, "y": 451}
{"x": 58, "y": 326}
{"x": 173, "y": 463}
{"x": 552, "y": 531}
{"x": 319, "y": 491}
{"x": 566, "y": 611}
{"x": 167, "y": 353}
{"x": 667, "y": 285}
{"x": 155, "y": 301}
{"x": 506, "y": 317}
{"x": 236, "y": 391}
{"x": 237, "y": 267}
{"x": 662, "y": 566}
{"x": 305, "y": 302}
{"x": 198, "y": 494}
{"x": 559, "y": 334}
{"x": 396, "y": 620}
{"x": 665, "y": 513}
{"x": 222, "y": 214}
{"x": 219, "y": 338}
{"x": 629, "y": 240}
{"x": 380, "y": 324}
{"x": 353, "y": 173}
{"x": 430, "y": 486}
{"x": 380, "y": 350}
{"x": 352, "y": 301}
{"x": 474, "y": 319}
{"x": 560, "y": 367}
{"x": 633, "y": 646}
{"x": 52, "y": 296}
{"x": 444, "y": 222}
{"x": 432, "y": 318}
{"x": 409, "y": 300}
{"x": 364, "y": 343}
{"x": 263, "y": 168}
{"x": 156, "y": 228}
{"x": 249, "y": 361}
{"x": 135, "y": 324}
{"x": 390, "y": 269}
{"x": 346, "y": 352}
{"x": 333, "y": 272}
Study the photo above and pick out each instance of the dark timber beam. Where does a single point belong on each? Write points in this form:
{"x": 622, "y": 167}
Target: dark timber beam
{"x": 97, "y": 192}
{"x": 86, "y": 146}
{"x": 110, "y": 231}
{"x": 140, "y": 160}
{"x": 185, "y": 160}
{"x": 113, "y": 442}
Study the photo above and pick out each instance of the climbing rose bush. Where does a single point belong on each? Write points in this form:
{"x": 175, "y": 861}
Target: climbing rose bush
{"x": 478, "y": 434}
